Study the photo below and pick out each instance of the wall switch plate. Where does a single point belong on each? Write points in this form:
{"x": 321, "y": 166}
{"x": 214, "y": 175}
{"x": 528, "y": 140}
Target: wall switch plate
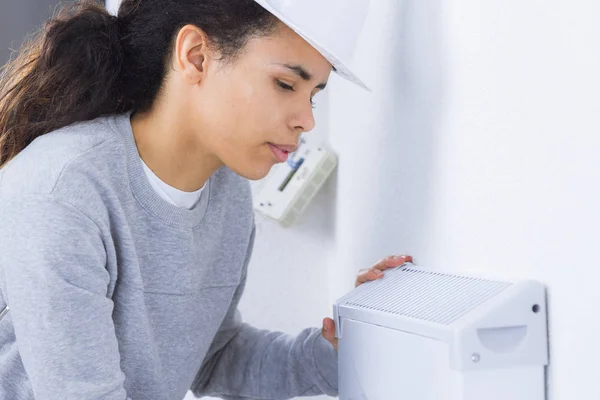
{"x": 292, "y": 185}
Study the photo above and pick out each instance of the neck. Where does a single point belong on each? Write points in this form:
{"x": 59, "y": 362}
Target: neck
{"x": 172, "y": 151}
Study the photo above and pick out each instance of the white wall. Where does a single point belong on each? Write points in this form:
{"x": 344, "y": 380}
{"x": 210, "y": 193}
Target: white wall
{"x": 479, "y": 150}
{"x": 386, "y": 138}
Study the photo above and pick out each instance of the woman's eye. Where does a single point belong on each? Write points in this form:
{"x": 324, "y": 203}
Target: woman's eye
{"x": 285, "y": 86}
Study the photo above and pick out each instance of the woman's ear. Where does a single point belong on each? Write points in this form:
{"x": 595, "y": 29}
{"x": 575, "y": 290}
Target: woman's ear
{"x": 192, "y": 54}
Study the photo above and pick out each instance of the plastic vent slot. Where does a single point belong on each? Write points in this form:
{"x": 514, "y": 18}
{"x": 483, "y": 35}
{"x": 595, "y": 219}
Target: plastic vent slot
{"x": 426, "y": 295}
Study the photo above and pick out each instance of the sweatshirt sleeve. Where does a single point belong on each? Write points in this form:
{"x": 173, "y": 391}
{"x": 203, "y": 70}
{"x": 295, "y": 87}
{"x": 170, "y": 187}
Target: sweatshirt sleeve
{"x": 244, "y": 362}
{"x": 53, "y": 277}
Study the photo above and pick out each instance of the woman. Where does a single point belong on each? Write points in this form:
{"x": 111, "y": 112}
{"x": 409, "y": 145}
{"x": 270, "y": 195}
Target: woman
{"x": 125, "y": 213}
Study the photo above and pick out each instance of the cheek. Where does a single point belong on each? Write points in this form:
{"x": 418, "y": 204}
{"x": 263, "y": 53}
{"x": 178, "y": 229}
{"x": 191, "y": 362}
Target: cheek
{"x": 243, "y": 115}
{"x": 239, "y": 133}
{"x": 223, "y": 112}
{"x": 254, "y": 116}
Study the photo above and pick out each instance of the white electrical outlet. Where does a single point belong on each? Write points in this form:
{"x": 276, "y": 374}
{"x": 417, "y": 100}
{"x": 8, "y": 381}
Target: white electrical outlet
{"x": 292, "y": 185}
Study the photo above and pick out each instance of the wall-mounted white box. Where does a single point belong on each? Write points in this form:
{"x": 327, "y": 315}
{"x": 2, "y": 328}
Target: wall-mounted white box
{"x": 291, "y": 186}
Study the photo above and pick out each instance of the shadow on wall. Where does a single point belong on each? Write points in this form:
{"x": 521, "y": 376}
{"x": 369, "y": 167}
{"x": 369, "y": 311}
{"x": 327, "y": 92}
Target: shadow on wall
{"x": 413, "y": 109}
{"x": 387, "y": 139}
{"x": 18, "y": 19}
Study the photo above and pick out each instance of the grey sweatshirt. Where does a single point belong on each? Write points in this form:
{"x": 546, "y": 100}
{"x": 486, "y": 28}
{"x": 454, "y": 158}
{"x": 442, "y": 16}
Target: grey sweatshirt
{"x": 113, "y": 293}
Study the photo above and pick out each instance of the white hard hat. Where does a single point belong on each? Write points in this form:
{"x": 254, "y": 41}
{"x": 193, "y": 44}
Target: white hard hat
{"x": 332, "y": 27}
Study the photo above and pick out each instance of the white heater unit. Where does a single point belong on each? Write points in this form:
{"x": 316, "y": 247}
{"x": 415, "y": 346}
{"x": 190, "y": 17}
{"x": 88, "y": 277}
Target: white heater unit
{"x": 419, "y": 334}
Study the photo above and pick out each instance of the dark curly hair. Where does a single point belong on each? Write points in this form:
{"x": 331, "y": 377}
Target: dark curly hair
{"x": 85, "y": 63}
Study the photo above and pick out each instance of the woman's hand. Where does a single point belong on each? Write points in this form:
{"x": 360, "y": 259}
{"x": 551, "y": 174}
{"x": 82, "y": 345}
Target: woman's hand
{"x": 364, "y": 275}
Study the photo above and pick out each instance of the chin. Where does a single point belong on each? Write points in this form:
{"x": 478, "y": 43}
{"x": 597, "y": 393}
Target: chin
{"x": 253, "y": 174}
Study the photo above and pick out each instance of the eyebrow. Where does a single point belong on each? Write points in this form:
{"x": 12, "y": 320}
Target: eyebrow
{"x": 304, "y": 74}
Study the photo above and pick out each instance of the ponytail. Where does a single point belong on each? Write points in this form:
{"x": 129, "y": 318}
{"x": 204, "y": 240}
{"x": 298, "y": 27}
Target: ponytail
{"x": 68, "y": 72}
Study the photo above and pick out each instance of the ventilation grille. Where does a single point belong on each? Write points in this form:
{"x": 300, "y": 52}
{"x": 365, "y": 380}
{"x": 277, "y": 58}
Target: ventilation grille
{"x": 425, "y": 295}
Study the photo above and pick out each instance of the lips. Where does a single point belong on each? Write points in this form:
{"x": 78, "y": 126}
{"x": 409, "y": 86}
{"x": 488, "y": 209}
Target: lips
{"x": 280, "y": 153}
{"x": 289, "y": 148}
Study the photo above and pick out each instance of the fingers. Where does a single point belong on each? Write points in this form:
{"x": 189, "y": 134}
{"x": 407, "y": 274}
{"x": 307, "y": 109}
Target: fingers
{"x": 392, "y": 262}
{"x": 328, "y": 332}
{"x": 376, "y": 272}
{"x": 366, "y": 275}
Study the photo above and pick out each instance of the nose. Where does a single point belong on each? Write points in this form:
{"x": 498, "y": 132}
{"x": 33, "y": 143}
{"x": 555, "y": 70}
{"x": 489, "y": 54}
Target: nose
{"x": 303, "y": 120}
